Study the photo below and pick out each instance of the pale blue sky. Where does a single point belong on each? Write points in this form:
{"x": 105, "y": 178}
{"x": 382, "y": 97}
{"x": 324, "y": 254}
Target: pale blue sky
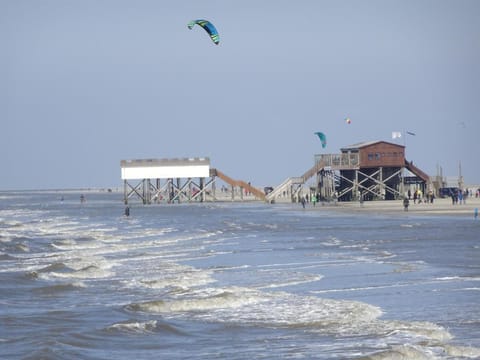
{"x": 84, "y": 84}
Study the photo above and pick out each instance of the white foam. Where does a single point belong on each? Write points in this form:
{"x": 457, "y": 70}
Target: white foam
{"x": 203, "y": 300}
{"x": 185, "y": 280}
{"x": 419, "y": 330}
{"x": 459, "y": 278}
{"x": 291, "y": 282}
{"x": 89, "y": 272}
{"x": 462, "y": 351}
{"x": 425, "y": 351}
{"x": 401, "y": 352}
{"x": 247, "y": 306}
{"x": 135, "y": 326}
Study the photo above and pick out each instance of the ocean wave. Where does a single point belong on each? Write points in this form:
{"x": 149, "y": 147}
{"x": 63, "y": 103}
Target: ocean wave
{"x": 258, "y": 308}
{"x": 424, "y": 352}
{"x": 458, "y": 278}
{"x": 225, "y": 299}
{"x": 462, "y": 351}
{"x": 62, "y": 270}
{"x": 143, "y": 327}
{"x": 169, "y": 275}
{"x": 133, "y": 326}
{"x": 276, "y": 280}
{"x": 182, "y": 281}
{"x": 419, "y": 330}
{"x": 401, "y": 352}
{"x": 249, "y": 307}
{"x": 56, "y": 289}
{"x": 4, "y": 256}
{"x": 15, "y": 244}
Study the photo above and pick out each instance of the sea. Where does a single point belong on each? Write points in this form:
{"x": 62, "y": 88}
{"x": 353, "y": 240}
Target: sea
{"x": 232, "y": 280}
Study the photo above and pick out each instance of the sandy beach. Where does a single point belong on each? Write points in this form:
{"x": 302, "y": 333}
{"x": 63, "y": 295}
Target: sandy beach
{"x": 438, "y": 207}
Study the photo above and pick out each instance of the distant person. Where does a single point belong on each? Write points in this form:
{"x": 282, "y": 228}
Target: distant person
{"x": 82, "y": 198}
{"x": 406, "y": 203}
{"x": 419, "y": 196}
{"x": 127, "y": 211}
{"x": 303, "y": 202}
{"x": 430, "y": 196}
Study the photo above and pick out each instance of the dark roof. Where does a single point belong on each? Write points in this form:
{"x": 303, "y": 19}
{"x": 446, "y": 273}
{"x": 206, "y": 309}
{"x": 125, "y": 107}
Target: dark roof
{"x": 363, "y": 144}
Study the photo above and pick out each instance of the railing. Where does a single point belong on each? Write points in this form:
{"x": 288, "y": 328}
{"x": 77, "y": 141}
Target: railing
{"x": 313, "y": 171}
{"x": 285, "y": 186}
{"x": 339, "y": 161}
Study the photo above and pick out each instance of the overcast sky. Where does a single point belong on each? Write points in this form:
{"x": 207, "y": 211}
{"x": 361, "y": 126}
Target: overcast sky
{"x": 85, "y": 84}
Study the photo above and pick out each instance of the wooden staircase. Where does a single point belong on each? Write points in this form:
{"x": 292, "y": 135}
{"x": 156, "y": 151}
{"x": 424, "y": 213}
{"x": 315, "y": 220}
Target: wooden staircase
{"x": 240, "y": 183}
{"x": 422, "y": 175}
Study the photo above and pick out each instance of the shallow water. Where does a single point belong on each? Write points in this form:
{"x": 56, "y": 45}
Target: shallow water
{"x": 231, "y": 280}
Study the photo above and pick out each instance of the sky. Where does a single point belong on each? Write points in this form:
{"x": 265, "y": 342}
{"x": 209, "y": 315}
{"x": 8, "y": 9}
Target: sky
{"x": 85, "y": 84}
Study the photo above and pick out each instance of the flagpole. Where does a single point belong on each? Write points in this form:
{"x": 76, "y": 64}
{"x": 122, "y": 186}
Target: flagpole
{"x": 405, "y": 139}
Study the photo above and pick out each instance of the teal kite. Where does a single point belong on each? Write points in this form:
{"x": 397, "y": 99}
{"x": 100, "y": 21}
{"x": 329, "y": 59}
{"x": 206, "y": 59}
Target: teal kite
{"x": 322, "y": 138}
{"x": 208, "y": 27}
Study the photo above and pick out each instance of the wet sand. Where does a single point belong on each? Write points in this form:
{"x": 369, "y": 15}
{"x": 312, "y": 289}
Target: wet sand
{"x": 438, "y": 207}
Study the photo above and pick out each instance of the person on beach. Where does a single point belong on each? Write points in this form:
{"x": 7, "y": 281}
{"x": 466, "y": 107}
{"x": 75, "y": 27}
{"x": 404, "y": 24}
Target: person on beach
{"x": 419, "y": 196}
{"x": 459, "y": 196}
{"x": 406, "y": 202}
{"x": 430, "y": 197}
{"x": 127, "y": 211}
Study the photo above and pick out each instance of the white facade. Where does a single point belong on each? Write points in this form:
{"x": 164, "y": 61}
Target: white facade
{"x": 165, "y": 168}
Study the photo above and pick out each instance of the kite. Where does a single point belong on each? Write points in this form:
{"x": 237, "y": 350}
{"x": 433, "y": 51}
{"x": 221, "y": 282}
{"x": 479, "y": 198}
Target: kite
{"x": 208, "y": 27}
{"x": 347, "y": 120}
{"x": 322, "y": 138}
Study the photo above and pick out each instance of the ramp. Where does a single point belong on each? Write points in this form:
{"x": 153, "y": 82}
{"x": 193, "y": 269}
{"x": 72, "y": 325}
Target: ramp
{"x": 297, "y": 182}
{"x": 240, "y": 183}
{"x": 284, "y": 186}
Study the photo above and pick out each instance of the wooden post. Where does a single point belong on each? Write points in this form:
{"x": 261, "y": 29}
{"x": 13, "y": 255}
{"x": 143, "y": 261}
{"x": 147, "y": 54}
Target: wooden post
{"x": 214, "y": 188}
{"x": 178, "y": 190}
{"x": 125, "y": 192}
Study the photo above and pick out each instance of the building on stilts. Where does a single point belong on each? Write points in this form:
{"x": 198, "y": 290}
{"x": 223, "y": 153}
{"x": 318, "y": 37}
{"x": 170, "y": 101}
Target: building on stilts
{"x": 371, "y": 170}
{"x": 375, "y": 170}
{"x": 180, "y": 180}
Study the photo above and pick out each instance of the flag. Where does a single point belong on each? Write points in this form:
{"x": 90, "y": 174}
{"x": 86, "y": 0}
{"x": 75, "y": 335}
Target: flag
{"x": 396, "y": 134}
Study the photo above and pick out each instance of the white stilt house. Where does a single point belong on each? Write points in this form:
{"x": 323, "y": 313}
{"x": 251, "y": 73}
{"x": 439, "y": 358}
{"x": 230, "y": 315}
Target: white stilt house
{"x": 155, "y": 180}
